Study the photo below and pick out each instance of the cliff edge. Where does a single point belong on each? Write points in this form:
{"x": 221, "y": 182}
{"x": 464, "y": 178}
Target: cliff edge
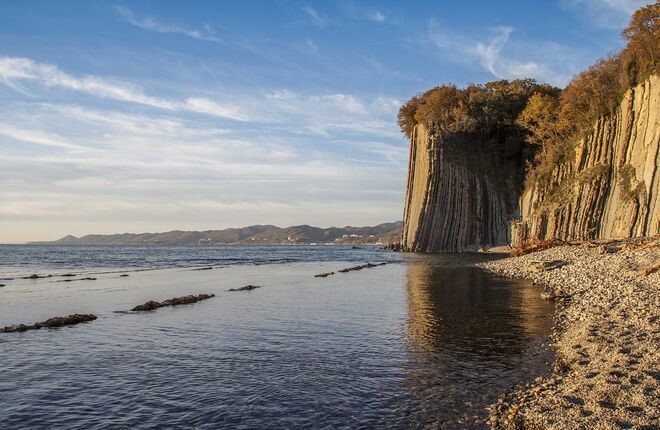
{"x": 455, "y": 200}
{"x": 610, "y": 186}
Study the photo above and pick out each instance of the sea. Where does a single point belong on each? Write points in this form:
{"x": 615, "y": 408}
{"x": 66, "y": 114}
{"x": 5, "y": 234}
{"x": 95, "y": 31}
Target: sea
{"x": 423, "y": 341}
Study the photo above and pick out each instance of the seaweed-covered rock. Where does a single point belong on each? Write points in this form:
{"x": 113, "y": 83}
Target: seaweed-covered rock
{"x": 246, "y": 288}
{"x": 50, "y": 323}
{"x": 360, "y": 267}
{"x": 35, "y": 276}
{"x": 152, "y": 305}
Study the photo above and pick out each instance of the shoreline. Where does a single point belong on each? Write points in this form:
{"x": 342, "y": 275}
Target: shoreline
{"x": 605, "y": 335}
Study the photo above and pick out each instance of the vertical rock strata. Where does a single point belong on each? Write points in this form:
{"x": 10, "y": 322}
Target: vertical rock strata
{"x": 461, "y": 196}
{"x": 611, "y": 187}
{"x": 454, "y": 201}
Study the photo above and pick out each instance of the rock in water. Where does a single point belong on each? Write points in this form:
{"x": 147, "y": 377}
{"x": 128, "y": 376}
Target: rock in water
{"x": 360, "y": 267}
{"x": 149, "y": 306}
{"x": 246, "y": 288}
{"x": 35, "y": 276}
{"x": 51, "y": 323}
{"x": 152, "y": 305}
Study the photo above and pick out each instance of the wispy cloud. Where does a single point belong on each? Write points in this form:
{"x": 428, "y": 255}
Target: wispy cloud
{"x": 318, "y": 19}
{"x": 375, "y": 15}
{"x": 610, "y": 14}
{"x": 15, "y": 69}
{"x": 180, "y": 173}
{"x": 151, "y": 24}
{"x": 359, "y": 12}
{"x": 312, "y": 45}
{"x": 167, "y": 159}
{"x": 545, "y": 61}
{"x": 202, "y": 105}
{"x": 35, "y": 137}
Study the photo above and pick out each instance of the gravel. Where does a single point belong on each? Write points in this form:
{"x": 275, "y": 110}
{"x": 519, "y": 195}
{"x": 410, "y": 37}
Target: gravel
{"x": 606, "y": 335}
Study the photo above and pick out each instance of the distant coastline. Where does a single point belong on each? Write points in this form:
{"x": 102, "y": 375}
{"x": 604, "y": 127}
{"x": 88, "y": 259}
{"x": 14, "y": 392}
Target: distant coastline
{"x": 253, "y": 235}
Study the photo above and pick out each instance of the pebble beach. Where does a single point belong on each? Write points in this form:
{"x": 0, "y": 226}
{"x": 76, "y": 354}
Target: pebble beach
{"x": 606, "y": 336}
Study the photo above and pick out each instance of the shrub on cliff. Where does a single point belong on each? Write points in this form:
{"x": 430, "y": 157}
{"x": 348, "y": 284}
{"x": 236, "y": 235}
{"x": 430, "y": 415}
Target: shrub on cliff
{"x": 487, "y": 108}
{"x": 556, "y": 124}
{"x": 551, "y": 120}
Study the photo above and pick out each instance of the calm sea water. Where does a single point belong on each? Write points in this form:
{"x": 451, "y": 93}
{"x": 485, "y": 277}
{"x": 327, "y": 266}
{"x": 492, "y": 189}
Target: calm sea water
{"x": 423, "y": 342}
{"x": 16, "y": 260}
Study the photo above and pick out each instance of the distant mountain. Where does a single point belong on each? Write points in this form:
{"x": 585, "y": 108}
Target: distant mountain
{"x": 254, "y": 235}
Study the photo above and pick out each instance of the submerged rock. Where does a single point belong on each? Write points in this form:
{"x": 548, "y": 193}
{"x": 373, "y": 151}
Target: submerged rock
{"x": 81, "y": 279}
{"x": 35, "y": 276}
{"x": 176, "y": 301}
{"x": 246, "y": 288}
{"x": 360, "y": 267}
{"x": 324, "y": 275}
{"x": 51, "y": 323}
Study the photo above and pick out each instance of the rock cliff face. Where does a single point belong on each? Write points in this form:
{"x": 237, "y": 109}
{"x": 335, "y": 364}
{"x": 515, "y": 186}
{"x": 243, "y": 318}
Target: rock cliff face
{"x": 611, "y": 186}
{"x": 462, "y": 197}
{"x": 455, "y": 201}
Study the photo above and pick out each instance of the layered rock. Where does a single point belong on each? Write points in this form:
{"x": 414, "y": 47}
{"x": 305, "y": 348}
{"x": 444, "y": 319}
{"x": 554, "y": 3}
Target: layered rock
{"x": 463, "y": 195}
{"x": 610, "y": 187}
{"x": 460, "y": 196}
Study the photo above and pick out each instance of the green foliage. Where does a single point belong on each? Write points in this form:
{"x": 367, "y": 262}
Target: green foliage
{"x": 594, "y": 173}
{"x": 630, "y": 191}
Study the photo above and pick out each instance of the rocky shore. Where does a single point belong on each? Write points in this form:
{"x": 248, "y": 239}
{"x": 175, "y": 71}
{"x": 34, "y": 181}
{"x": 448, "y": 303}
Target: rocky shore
{"x": 606, "y": 335}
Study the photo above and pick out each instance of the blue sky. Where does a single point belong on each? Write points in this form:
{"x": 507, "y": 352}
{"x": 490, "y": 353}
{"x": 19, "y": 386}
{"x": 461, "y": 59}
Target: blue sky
{"x": 159, "y": 115}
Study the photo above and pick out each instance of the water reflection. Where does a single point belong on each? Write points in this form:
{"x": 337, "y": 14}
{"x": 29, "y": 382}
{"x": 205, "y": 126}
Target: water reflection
{"x": 470, "y": 335}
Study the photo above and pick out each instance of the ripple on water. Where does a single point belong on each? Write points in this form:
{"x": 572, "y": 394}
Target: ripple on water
{"x": 397, "y": 346}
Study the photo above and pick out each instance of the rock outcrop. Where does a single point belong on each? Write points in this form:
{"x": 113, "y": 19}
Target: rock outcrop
{"x": 459, "y": 196}
{"x": 611, "y": 186}
{"x": 50, "y": 323}
{"x": 152, "y": 305}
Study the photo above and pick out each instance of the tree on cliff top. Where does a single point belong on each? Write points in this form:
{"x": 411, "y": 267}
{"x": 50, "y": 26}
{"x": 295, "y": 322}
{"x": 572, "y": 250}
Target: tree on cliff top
{"x": 590, "y": 95}
{"x": 487, "y": 108}
{"x": 551, "y": 119}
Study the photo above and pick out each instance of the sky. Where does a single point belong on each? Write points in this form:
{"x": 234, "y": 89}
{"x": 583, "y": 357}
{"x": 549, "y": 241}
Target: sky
{"x": 147, "y": 116}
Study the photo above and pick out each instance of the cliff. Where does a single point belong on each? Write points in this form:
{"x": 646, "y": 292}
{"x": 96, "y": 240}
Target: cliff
{"x": 464, "y": 192}
{"x": 461, "y": 193}
{"x": 609, "y": 187}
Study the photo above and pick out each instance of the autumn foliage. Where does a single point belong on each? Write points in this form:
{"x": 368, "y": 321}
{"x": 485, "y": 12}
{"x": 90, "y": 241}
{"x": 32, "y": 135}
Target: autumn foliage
{"x": 551, "y": 120}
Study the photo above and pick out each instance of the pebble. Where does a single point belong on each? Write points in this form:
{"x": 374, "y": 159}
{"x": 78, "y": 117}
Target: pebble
{"x": 603, "y": 304}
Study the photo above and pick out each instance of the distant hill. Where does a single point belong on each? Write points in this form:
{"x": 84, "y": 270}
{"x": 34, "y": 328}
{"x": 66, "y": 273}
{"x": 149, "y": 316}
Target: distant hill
{"x": 252, "y": 235}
